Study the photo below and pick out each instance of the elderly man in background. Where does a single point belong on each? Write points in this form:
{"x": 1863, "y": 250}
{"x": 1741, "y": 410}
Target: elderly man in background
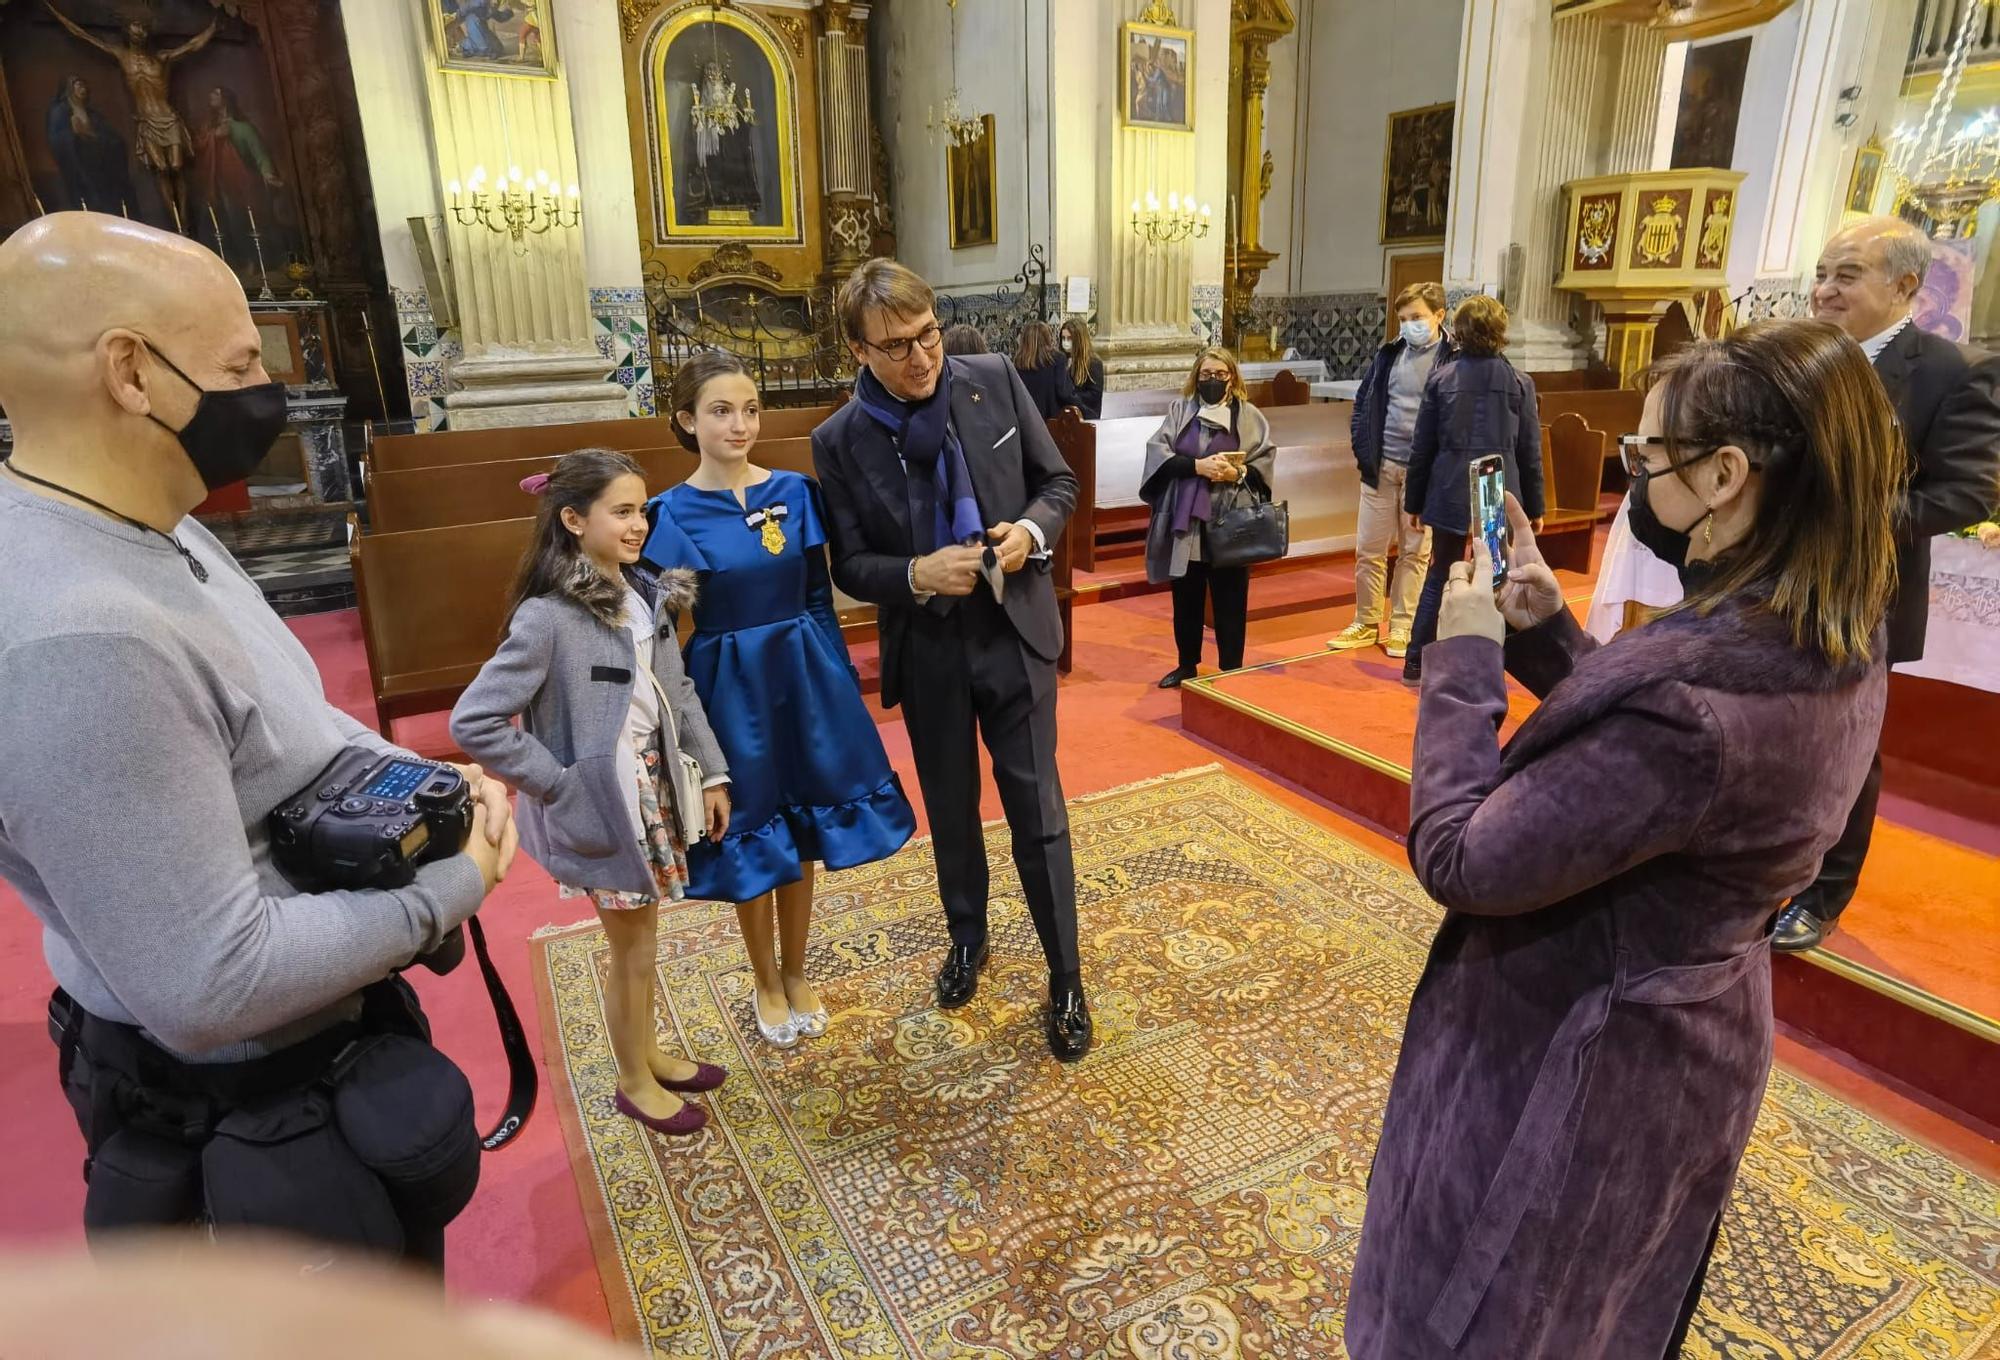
{"x": 1947, "y": 400}
{"x": 156, "y": 711}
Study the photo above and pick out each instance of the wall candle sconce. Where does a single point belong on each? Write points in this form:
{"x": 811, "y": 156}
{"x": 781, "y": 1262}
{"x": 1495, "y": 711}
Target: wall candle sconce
{"x": 520, "y": 206}
{"x": 1180, "y": 221}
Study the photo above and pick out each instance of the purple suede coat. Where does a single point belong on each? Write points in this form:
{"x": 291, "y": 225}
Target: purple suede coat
{"x": 1588, "y": 1045}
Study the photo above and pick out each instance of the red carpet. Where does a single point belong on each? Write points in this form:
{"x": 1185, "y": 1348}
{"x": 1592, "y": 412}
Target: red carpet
{"x": 524, "y": 1236}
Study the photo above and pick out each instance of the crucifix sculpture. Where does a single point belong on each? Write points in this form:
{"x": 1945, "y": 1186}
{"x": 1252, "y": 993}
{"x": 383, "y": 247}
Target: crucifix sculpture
{"x": 161, "y": 139}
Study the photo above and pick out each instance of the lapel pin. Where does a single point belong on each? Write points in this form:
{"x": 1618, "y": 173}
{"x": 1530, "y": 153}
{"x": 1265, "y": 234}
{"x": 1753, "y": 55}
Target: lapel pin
{"x": 975, "y": 399}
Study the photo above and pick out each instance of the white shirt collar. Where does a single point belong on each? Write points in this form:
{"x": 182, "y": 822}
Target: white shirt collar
{"x": 1873, "y": 346}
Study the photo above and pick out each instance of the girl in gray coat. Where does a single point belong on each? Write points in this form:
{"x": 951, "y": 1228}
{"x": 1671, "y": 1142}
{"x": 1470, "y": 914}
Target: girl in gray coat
{"x": 590, "y": 669}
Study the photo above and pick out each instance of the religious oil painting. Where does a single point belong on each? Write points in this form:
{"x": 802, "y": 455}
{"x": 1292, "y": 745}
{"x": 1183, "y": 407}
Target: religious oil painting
{"x": 494, "y": 37}
{"x": 970, "y": 183}
{"x": 1158, "y": 76}
{"x": 1711, "y": 103}
{"x": 1866, "y": 180}
{"x": 723, "y": 128}
{"x": 165, "y": 115}
{"x": 1416, "y": 175}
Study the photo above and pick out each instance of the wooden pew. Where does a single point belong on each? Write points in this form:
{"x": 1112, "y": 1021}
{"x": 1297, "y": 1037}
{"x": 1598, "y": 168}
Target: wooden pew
{"x": 472, "y": 493}
{"x": 1077, "y": 439}
{"x": 1572, "y": 464}
{"x": 1288, "y": 389}
{"x": 1614, "y": 410}
{"x": 433, "y": 602}
{"x": 399, "y": 452}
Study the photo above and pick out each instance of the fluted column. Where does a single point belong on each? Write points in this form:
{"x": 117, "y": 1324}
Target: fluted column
{"x": 846, "y": 146}
{"x": 523, "y": 307}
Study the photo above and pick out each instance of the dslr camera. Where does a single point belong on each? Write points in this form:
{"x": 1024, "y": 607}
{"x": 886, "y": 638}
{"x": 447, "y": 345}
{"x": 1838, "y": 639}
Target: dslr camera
{"x": 369, "y": 821}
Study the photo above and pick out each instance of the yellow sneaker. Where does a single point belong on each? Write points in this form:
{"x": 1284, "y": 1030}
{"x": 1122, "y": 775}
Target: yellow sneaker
{"x": 1399, "y": 645}
{"x": 1353, "y": 636}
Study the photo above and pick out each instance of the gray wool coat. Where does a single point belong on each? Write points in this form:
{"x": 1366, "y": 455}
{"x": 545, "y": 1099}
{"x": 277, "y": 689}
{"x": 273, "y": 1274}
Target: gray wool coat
{"x": 1588, "y": 1045}
{"x": 1159, "y": 479}
{"x": 566, "y": 671}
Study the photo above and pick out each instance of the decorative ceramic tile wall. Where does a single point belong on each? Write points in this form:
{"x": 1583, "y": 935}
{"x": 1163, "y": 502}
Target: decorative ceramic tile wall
{"x": 1342, "y": 330}
{"x": 1774, "y": 296}
{"x": 999, "y": 313}
{"x": 619, "y": 326}
{"x": 1205, "y": 301}
{"x": 428, "y": 355}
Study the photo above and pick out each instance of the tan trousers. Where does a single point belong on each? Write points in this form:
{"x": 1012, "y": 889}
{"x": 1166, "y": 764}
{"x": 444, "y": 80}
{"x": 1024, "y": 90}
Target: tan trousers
{"x": 1380, "y": 523}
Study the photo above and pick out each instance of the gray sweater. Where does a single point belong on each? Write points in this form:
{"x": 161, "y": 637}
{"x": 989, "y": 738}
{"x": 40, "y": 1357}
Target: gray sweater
{"x": 149, "y": 723}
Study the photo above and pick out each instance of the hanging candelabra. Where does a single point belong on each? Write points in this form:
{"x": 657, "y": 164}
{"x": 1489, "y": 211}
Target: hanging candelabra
{"x": 721, "y": 111}
{"x": 520, "y": 207}
{"x": 1948, "y": 179}
{"x": 1179, "y": 220}
{"x": 960, "y": 126}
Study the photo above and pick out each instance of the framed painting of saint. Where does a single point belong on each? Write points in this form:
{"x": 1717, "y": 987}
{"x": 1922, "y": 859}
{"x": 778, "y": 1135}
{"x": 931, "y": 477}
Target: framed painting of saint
{"x": 494, "y": 37}
{"x": 723, "y": 128}
{"x": 1711, "y": 103}
{"x": 971, "y": 188}
{"x": 1156, "y": 72}
{"x": 1416, "y": 176}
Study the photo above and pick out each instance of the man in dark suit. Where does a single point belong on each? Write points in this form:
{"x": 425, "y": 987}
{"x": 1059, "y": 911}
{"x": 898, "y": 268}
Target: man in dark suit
{"x": 1947, "y": 400}
{"x": 935, "y": 462}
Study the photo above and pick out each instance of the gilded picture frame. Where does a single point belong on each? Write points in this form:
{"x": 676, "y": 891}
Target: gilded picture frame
{"x": 971, "y": 190}
{"x": 1164, "y": 57}
{"x": 1416, "y": 175}
{"x": 1866, "y": 178}
{"x": 470, "y": 37}
{"x": 776, "y": 157}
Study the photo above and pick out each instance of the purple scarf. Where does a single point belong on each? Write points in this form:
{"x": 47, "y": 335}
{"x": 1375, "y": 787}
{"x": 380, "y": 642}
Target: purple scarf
{"x": 1193, "y": 497}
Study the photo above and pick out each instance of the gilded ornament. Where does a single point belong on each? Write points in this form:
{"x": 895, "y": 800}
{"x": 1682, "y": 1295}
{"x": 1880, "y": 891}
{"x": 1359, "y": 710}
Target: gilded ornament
{"x": 1660, "y": 232}
{"x": 1596, "y": 230}
{"x": 632, "y": 16}
{"x": 774, "y": 537}
{"x": 1715, "y": 231}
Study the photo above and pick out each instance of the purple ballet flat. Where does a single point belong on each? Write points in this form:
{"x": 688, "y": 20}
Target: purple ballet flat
{"x": 688, "y": 1119}
{"x": 707, "y": 1076}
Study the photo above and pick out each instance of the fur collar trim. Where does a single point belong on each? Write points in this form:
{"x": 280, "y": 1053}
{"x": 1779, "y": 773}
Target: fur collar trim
{"x": 673, "y": 591}
{"x": 1740, "y": 648}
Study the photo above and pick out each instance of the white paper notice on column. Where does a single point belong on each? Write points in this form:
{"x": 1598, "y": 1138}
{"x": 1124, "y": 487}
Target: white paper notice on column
{"x": 1079, "y": 294}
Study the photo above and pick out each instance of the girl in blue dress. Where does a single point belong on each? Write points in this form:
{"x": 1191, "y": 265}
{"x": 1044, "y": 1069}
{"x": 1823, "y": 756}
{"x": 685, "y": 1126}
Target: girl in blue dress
{"x": 810, "y": 781}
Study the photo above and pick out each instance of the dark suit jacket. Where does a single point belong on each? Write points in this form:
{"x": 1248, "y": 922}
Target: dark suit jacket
{"x": 1947, "y": 398}
{"x": 1017, "y": 474}
{"x": 1051, "y": 388}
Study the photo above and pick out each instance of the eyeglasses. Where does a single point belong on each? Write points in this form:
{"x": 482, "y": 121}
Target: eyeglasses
{"x": 1632, "y": 450}
{"x": 930, "y": 337}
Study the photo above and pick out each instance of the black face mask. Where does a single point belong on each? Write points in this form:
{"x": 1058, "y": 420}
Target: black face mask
{"x": 1667, "y": 544}
{"x": 230, "y": 431}
{"x": 1212, "y": 390}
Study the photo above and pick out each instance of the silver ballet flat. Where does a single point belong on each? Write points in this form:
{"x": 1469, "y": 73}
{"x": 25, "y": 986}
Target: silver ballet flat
{"x": 810, "y": 1024}
{"x": 784, "y": 1034}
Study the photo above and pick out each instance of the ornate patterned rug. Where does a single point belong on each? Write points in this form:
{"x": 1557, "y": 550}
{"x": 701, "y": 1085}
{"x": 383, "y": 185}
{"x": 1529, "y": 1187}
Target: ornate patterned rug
{"x": 927, "y": 1184}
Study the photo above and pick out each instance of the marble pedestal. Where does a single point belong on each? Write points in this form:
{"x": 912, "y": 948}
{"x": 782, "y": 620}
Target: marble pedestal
{"x": 533, "y": 389}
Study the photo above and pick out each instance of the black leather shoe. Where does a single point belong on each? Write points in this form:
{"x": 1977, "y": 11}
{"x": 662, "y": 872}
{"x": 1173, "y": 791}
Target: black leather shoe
{"x": 1070, "y": 1030}
{"x": 1796, "y": 930}
{"x": 1173, "y": 678}
{"x": 958, "y": 980}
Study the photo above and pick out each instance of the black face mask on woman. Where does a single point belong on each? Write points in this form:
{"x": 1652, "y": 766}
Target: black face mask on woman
{"x": 1668, "y": 544}
{"x": 1212, "y": 390}
{"x": 231, "y": 429}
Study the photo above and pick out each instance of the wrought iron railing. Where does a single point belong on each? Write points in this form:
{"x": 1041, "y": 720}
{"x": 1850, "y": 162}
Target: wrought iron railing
{"x": 1000, "y": 314}
{"x": 1937, "y": 26}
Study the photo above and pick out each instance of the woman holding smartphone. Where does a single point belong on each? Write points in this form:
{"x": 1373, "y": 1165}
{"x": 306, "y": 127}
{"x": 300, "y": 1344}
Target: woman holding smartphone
{"x": 1475, "y": 405}
{"x": 1211, "y": 436}
{"x": 1587, "y": 1048}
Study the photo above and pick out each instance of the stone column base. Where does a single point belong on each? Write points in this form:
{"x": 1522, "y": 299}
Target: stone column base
{"x": 538, "y": 389}
{"x": 1137, "y": 360}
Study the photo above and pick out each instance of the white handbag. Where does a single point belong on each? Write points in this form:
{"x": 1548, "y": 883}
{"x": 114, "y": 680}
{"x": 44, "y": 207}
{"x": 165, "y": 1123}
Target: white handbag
{"x": 682, "y": 773}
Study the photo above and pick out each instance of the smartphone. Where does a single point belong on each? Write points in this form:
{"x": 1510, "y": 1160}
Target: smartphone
{"x": 1489, "y": 511}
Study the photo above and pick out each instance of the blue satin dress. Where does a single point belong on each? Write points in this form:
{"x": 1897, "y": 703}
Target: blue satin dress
{"x": 809, "y": 779}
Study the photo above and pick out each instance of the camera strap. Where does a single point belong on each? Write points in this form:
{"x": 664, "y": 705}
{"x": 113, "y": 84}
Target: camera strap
{"x": 522, "y": 1083}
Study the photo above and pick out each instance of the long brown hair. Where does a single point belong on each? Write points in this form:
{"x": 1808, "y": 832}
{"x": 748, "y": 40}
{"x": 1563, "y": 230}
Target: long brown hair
{"x": 702, "y": 368}
{"x": 1801, "y": 400}
{"x": 576, "y": 483}
{"x": 1037, "y": 347}
{"x": 1221, "y": 355}
{"x": 1081, "y": 350}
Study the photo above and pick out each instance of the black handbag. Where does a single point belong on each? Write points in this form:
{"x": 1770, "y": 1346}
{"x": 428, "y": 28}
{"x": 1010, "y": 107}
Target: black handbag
{"x": 1245, "y": 528}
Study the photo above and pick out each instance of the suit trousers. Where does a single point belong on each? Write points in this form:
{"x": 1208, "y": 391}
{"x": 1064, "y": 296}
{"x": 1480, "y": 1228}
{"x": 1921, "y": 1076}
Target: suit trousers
{"x": 967, "y": 675}
{"x": 1380, "y": 522}
{"x": 1840, "y": 871}
{"x": 1229, "y": 587}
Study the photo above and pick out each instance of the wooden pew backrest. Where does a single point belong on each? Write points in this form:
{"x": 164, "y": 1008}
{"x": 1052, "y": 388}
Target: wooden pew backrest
{"x": 1614, "y": 410}
{"x": 1573, "y": 459}
{"x": 399, "y": 452}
